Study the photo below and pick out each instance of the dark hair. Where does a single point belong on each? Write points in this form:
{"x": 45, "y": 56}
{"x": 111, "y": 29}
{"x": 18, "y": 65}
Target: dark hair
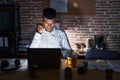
{"x": 49, "y": 13}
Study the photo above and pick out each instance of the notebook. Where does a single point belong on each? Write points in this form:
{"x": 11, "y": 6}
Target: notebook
{"x": 44, "y": 57}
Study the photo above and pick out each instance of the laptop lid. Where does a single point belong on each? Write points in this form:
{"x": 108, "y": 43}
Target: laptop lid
{"x": 44, "y": 57}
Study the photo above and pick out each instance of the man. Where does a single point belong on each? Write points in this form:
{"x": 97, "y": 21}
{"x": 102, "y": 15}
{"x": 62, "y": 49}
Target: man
{"x": 49, "y": 36}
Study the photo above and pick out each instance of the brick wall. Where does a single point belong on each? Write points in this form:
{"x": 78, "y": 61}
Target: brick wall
{"x": 106, "y": 21}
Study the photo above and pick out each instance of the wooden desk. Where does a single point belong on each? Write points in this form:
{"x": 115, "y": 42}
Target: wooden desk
{"x": 57, "y": 74}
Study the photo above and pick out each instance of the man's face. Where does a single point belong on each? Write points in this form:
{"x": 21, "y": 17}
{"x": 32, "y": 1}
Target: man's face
{"x": 48, "y": 24}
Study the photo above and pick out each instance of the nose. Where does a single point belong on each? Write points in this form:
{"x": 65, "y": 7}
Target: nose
{"x": 49, "y": 25}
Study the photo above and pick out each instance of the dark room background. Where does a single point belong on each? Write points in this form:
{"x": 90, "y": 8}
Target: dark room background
{"x": 105, "y": 21}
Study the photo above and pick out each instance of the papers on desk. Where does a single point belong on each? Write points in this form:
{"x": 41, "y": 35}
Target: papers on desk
{"x": 114, "y": 64}
{"x": 23, "y": 65}
{"x": 100, "y": 65}
{"x": 104, "y": 64}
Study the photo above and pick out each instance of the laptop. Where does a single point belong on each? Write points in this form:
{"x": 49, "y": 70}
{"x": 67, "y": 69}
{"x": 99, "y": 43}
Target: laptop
{"x": 44, "y": 57}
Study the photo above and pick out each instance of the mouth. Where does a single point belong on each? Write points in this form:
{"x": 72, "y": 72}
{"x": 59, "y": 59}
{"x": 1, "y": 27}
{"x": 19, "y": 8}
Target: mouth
{"x": 49, "y": 30}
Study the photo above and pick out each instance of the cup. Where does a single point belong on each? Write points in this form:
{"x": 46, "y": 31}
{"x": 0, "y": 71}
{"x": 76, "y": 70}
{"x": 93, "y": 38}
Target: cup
{"x": 109, "y": 74}
{"x": 71, "y": 61}
{"x": 85, "y": 65}
{"x": 68, "y": 73}
{"x": 82, "y": 68}
{"x": 32, "y": 71}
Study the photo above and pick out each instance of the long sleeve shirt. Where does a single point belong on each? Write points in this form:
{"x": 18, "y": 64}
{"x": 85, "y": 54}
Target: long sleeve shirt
{"x": 55, "y": 39}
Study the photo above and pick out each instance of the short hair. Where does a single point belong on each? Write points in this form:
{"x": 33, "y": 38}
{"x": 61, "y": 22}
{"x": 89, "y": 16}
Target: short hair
{"x": 49, "y": 13}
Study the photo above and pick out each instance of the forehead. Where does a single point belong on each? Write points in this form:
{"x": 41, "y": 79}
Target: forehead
{"x": 49, "y": 20}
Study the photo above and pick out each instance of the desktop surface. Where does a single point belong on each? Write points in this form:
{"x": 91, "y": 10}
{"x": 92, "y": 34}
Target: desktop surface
{"x": 58, "y": 74}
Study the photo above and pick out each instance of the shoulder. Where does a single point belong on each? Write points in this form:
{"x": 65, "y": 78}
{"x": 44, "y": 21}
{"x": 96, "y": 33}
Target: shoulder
{"x": 60, "y": 31}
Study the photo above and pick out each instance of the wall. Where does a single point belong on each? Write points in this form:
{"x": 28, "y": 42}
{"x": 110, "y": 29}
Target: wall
{"x": 106, "y": 21}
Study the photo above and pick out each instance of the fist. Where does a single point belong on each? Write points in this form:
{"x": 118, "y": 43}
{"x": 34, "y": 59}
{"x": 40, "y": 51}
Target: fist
{"x": 40, "y": 28}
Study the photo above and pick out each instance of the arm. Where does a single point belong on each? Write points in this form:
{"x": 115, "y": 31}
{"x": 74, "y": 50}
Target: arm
{"x": 35, "y": 41}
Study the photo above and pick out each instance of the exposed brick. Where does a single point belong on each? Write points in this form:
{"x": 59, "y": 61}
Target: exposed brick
{"x": 106, "y": 21}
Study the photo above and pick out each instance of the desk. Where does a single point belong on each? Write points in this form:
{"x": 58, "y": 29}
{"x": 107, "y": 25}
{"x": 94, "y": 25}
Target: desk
{"x": 57, "y": 74}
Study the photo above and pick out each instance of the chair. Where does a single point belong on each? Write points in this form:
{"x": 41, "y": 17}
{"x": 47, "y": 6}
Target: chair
{"x": 102, "y": 54}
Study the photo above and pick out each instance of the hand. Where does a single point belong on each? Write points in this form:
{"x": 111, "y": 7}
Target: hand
{"x": 40, "y": 28}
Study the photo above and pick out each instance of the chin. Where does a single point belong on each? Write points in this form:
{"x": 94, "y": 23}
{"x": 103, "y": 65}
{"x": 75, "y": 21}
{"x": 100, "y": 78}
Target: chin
{"x": 49, "y": 30}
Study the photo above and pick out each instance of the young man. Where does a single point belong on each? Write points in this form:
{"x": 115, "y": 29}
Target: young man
{"x": 48, "y": 36}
